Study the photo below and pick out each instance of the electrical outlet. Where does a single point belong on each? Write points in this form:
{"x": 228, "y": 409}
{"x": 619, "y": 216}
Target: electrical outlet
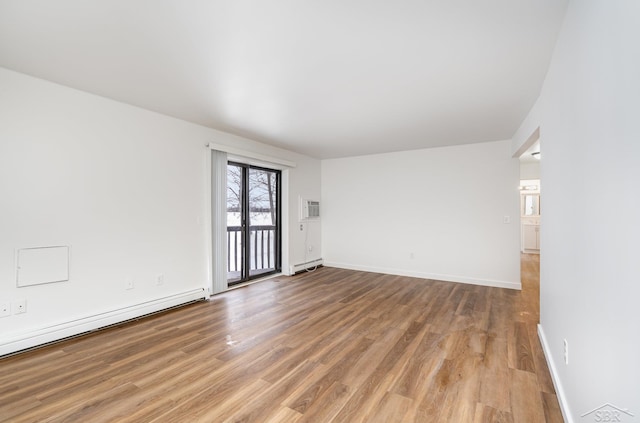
{"x": 566, "y": 352}
{"x": 160, "y": 279}
{"x": 506, "y": 220}
{"x": 301, "y": 227}
{"x": 5, "y": 309}
{"x": 310, "y": 248}
{"x": 20, "y": 307}
{"x": 128, "y": 284}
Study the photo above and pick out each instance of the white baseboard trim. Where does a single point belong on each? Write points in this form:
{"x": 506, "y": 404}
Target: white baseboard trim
{"x": 555, "y": 377}
{"x": 424, "y": 275}
{"x": 63, "y": 330}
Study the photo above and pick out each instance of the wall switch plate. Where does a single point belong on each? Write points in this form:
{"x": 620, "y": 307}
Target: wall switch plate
{"x": 160, "y": 279}
{"x": 20, "y": 307}
{"x": 5, "y": 308}
{"x": 566, "y": 351}
{"x": 128, "y": 284}
{"x": 506, "y": 220}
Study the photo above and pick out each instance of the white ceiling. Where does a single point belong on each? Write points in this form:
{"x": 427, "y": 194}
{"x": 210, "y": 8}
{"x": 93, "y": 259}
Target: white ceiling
{"x": 325, "y": 78}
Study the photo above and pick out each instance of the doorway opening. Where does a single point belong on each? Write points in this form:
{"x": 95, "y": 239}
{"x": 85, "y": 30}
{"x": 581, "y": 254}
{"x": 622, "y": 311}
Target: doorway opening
{"x": 530, "y": 210}
{"x": 254, "y": 237}
{"x": 530, "y": 219}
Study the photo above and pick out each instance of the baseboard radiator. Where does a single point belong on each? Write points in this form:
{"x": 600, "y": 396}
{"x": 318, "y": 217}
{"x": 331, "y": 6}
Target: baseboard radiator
{"x": 57, "y": 332}
{"x": 296, "y": 268}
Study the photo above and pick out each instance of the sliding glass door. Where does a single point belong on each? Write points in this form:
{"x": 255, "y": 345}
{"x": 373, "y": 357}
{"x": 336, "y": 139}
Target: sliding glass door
{"x": 253, "y": 222}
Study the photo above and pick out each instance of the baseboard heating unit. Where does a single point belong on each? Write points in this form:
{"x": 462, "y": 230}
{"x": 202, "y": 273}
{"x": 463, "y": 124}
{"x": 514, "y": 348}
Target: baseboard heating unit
{"x": 63, "y": 330}
{"x": 296, "y": 268}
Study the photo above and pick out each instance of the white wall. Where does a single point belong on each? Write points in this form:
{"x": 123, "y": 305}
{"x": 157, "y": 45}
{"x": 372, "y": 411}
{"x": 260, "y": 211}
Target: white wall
{"x": 529, "y": 170}
{"x": 434, "y": 213}
{"x": 124, "y": 187}
{"x": 588, "y": 114}
{"x": 304, "y": 185}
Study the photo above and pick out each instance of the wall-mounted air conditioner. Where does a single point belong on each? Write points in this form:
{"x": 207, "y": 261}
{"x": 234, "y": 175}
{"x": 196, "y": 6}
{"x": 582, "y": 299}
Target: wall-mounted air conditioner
{"x": 309, "y": 209}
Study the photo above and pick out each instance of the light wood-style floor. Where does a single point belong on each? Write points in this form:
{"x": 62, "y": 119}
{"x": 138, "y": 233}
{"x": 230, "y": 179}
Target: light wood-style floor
{"x": 328, "y": 346}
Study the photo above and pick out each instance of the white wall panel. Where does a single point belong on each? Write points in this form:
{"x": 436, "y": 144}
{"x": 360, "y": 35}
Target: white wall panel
{"x": 435, "y": 213}
{"x": 125, "y": 187}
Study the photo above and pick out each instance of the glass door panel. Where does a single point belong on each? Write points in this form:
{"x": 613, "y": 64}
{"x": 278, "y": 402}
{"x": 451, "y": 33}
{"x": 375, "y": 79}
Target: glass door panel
{"x": 235, "y": 206}
{"x": 253, "y": 222}
{"x": 263, "y": 218}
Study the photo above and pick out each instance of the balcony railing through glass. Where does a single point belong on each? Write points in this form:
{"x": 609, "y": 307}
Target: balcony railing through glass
{"x": 262, "y": 258}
